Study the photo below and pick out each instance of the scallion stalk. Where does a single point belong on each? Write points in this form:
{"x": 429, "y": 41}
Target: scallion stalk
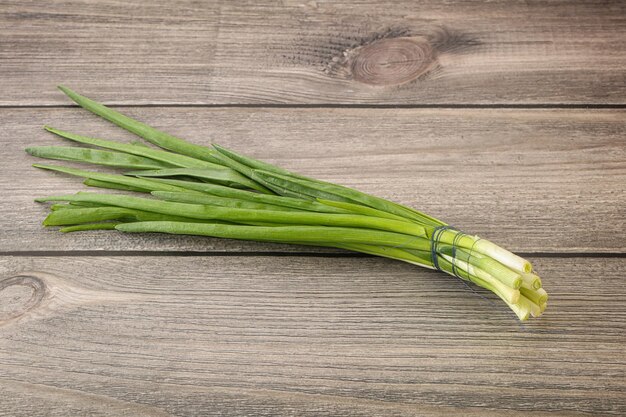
{"x": 217, "y": 192}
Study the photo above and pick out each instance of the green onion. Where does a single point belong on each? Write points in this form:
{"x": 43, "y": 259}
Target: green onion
{"x": 139, "y": 183}
{"x": 222, "y": 191}
{"x": 90, "y": 182}
{"x": 169, "y": 158}
{"x": 218, "y": 171}
{"x": 301, "y": 234}
{"x": 220, "y": 176}
{"x": 89, "y": 226}
{"x": 195, "y": 197}
{"x": 149, "y": 133}
{"x": 98, "y": 214}
{"x": 207, "y": 212}
{"x": 195, "y": 190}
{"x": 94, "y": 156}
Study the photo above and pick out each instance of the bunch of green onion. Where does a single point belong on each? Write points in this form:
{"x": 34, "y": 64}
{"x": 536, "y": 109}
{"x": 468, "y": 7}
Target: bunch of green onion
{"x": 195, "y": 190}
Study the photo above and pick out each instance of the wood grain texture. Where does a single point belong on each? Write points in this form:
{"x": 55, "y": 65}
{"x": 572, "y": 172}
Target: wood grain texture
{"x": 301, "y": 331}
{"x": 532, "y": 180}
{"x": 368, "y": 52}
{"x": 303, "y": 336}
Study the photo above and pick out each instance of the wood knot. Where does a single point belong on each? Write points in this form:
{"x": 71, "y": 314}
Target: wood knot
{"x": 20, "y": 294}
{"x": 394, "y": 56}
{"x": 392, "y": 61}
{"x": 37, "y": 294}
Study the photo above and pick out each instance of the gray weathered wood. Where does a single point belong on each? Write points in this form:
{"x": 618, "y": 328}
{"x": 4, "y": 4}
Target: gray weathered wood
{"x": 321, "y": 334}
{"x": 532, "y": 180}
{"x": 368, "y": 52}
{"x": 302, "y": 336}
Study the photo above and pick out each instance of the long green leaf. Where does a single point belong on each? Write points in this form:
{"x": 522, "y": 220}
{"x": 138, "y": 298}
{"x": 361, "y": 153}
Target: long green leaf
{"x": 89, "y": 226}
{"x": 195, "y": 197}
{"x": 113, "y": 186}
{"x": 95, "y": 156}
{"x": 152, "y": 135}
{"x": 113, "y": 178}
{"x": 247, "y": 171}
{"x": 320, "y": 235}
{"x": 98, "y": 214}
{"x": 287, "y": 183}
{"x": 277, "y": 200}
{"x": 251, "y": 163}
{"x": 170, "y": 158}
{"x": 226, "y": 177}
{"x": 328, "y": 191}
{"x": 410, "y": 231}
{"x": 361, "y": 209}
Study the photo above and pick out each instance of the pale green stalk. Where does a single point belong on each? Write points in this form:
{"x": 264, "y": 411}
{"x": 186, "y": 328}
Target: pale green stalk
{"x": 494, "y": 268}
{"x": 531, "y": 281}
{"x": 539, "y": 296}
{"x": 505, "y": 292}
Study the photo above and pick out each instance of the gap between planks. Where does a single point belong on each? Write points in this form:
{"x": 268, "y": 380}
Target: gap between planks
{"x": 565, "y": 106}
{"x": 144, "y": 253}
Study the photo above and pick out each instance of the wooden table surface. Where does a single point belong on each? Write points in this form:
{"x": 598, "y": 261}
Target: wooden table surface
{"x": 504, "y": 118}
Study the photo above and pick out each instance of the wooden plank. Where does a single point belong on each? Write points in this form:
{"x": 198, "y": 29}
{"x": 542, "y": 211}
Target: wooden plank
{"x": 302, "y": 336}
{"x": 532, "y": 180}
{"x": 370, "y": 52}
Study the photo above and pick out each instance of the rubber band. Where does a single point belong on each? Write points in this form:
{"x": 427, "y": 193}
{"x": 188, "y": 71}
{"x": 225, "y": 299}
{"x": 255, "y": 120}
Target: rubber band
{"x": 434, "y": 246}
{"x": 435, "y": 238}
{"x": 434, "y": 241}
